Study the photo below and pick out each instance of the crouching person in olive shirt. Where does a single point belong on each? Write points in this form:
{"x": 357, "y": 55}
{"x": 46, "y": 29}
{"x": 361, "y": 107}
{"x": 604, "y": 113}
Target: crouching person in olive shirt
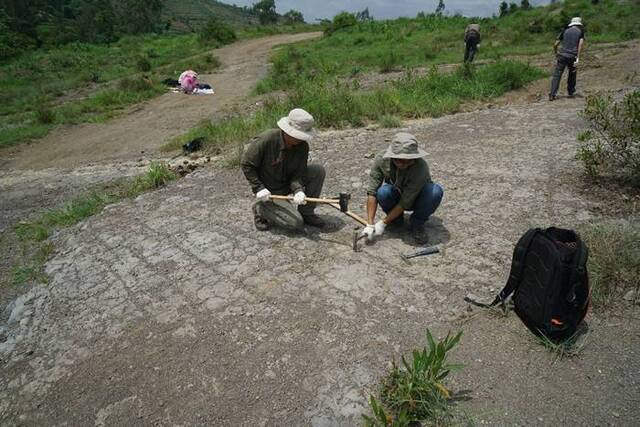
{"x": 400, "y": 181}
{"x": 276, "y": 163}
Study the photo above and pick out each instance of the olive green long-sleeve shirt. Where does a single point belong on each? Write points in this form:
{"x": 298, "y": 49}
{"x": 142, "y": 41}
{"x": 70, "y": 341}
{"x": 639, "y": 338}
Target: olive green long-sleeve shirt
{"x": 409, "y": 182}
{"x": 267, "y": 163}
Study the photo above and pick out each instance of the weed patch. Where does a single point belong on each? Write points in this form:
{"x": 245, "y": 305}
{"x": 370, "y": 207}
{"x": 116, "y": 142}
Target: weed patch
{"x": 614, "y": 259}
{"x": 415, "y": 393}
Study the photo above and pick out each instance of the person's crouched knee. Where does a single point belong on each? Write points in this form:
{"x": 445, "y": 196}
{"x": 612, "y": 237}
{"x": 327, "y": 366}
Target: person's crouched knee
{"x": 316, "y": 171}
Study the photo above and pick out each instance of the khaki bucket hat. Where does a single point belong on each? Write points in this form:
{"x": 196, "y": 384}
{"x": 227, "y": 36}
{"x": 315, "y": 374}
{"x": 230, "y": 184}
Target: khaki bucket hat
{"x": 404, "y": 146}
{"x": 298, "y": 124}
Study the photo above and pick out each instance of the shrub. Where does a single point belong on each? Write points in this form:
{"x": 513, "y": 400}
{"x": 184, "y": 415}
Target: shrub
{"x": 611, "y": 146}
{"x": 215, "y": 30}
{"x": 340, "y": 21}
{"x": 45, "y": 115}
{"x": 143, "y": 64}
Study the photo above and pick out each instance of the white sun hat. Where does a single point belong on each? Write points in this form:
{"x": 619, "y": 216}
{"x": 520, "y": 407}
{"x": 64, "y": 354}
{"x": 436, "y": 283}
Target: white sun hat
{"x": 575, "y": 21}
{"x": 298, "y": 124}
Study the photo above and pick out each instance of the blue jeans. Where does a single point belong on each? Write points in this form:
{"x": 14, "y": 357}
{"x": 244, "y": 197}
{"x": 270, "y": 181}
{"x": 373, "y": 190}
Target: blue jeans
{"x": 424, "y": 206}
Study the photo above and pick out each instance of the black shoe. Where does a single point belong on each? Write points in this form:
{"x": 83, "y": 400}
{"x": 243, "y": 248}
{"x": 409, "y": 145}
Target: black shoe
{"x": 313, "y": 220}
{"x": 260, "y": 223}
{"x": 552, "y": 97}
{"x": 419, "y": 234}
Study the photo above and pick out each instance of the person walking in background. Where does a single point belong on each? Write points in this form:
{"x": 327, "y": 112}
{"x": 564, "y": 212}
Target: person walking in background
{"x": 570, "y": 41}
{"x": 471, "y": 41}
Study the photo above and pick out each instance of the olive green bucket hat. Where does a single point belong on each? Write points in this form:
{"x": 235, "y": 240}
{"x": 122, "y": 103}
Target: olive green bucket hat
{"x": 404, "y": 146}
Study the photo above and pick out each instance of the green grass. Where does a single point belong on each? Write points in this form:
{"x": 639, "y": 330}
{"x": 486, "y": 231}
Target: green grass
{"x": 33, "y": 234}
{"x": 565, "y": 349}
{"x": 431, "y": 40}
{"x": 32, "y": 86}
{"x": 614, "y": 259}
{"x": 335, "y": 104}
{"x": 416, "y": 392}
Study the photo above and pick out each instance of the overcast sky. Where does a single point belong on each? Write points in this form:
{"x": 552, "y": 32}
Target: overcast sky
{"x": 382, "y": 9}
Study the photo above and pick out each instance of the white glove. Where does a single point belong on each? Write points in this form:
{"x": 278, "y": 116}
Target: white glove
{"x": 369, "y": 231}
{"x": 263, "y": 195}
{"x": 299, "y": 198}
{"x": 576, "y": 61}
{"x": 379, "y": 228}
{"x": 478, "y": 45}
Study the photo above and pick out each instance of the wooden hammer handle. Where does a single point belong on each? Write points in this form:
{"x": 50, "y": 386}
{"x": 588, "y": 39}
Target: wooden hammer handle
{"x": 351, "y": 214}
{"x": 308, "y": 199}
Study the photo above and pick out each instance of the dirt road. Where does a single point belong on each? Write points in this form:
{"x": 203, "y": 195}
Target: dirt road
{"x": 171, "y": 309}
{"x": 148, "y": 126}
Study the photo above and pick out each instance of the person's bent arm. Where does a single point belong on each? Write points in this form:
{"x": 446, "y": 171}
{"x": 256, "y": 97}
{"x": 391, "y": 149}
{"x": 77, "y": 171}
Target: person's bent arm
{"x": 372, "y": 206}
{"x": 394, "y": 214}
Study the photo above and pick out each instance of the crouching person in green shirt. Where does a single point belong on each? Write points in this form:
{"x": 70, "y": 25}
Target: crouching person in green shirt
{"x": 276, "y": 163}
{"x": 400, "y": 181}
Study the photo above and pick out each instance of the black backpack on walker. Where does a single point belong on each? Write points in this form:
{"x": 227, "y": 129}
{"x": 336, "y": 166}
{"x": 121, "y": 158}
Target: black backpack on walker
{"x": 549, "y": 282}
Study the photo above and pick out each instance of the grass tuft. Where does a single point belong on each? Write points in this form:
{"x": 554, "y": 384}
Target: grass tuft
{"x": 614, "y": 259}
{"x": 415, "y": 393}
{"x": 390, "y": 121}
{"x": 568, "y": 348}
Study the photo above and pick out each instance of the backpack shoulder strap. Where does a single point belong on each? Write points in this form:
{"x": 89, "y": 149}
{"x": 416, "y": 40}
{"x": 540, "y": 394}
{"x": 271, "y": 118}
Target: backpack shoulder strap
{"x": 517, "y": 267}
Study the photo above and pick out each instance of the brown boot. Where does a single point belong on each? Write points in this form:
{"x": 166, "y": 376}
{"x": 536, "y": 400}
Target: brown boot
{"x": 260, "y": 223}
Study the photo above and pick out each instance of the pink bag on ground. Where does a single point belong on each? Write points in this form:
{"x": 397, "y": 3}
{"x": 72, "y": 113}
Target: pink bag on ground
{"x": 188, "y": 81}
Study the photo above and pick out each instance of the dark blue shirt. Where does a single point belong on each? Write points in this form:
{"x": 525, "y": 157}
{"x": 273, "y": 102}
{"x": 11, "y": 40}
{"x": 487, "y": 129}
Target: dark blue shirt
{"x": 569, "y": 41}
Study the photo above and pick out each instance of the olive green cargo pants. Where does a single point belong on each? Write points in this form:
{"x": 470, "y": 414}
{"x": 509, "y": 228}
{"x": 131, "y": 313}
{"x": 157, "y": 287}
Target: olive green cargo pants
{"x": 283, "y": 213}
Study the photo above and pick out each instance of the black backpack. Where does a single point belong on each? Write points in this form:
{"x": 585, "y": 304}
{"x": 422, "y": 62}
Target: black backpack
{"x": 549, "y": 282}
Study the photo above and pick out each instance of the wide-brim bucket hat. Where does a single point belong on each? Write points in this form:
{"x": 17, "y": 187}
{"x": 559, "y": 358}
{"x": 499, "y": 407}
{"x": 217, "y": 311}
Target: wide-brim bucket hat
{"x": 404, "y": 146}
{"x": 575, "y": 21}
{"x": 298, "y": 124}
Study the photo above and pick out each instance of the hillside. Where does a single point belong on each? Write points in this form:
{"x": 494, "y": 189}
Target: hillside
{"x": 187, "y": 15}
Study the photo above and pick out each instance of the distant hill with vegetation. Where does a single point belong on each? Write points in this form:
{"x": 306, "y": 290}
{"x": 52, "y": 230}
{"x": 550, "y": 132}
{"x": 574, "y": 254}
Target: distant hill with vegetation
{"x": 191, "y": 15}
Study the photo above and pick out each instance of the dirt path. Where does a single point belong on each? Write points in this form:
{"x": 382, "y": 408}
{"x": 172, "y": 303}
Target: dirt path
{"x": 149, "y": 125}
{"x": 171, "y": 309}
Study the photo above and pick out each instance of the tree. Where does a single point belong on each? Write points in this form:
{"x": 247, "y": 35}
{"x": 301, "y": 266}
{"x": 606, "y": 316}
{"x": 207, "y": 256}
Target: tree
{"x": 513, "y": 7}
{"x": 364, "y": 16}
{"x": 294, "y": 17}
{"x": 525, "y": 5}
{"x": 504, "y": 8}
{"x": 266, "y": 11}
{"x": 440, "y": 8}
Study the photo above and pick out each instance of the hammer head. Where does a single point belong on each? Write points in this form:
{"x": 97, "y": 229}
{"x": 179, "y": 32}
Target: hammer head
{"x": 344, "y": 202}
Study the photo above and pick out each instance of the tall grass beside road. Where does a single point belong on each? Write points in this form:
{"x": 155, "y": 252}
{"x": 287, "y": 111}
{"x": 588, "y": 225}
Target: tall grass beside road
{"x": 382, "y": 46}
{"x": 336, "y": 104}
